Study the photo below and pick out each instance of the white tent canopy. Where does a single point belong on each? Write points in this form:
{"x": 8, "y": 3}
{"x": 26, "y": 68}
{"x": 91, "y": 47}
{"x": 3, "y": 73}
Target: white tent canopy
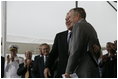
{"x": 39, "y": 21}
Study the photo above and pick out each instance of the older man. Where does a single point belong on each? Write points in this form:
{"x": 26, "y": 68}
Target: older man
{"x": 39, "y": 61}
{"x": 84, "y": 37}
{"x": 25, "y": 69}
{"x": 58, "y": 57}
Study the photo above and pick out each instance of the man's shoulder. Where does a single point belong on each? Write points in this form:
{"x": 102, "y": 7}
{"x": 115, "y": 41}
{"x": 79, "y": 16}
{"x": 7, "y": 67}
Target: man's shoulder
{"x": 63, "y": 32}
{"x": 84, "y": 26}
{"x": 2, "y": 58}
{"x": 36, "y": 57}
{"x": 21, "y": 64}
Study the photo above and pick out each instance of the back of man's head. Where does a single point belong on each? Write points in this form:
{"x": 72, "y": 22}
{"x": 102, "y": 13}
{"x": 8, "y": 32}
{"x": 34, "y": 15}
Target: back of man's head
{"x": 79, "y": 11}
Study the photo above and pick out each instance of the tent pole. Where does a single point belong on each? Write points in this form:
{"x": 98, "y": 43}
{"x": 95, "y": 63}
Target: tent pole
{"x": 76, "y": 3}
{"x": 111, "y": 5}
{"x": 4, "y": 26}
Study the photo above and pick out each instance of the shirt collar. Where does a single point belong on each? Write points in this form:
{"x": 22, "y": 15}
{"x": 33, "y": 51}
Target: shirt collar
{"x": 69, "y": 31}
{"x": 80, "y": 20}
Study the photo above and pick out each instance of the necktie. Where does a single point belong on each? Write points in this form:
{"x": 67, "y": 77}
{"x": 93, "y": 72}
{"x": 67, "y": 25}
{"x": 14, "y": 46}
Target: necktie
{"x": 68, "y": 40}
{"x": 44, "y": 59}
{"x": 27, "y": 74}
{"x": 69, "y": 37}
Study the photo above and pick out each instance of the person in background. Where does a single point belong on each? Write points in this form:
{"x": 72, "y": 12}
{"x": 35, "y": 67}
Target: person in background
{"x": 2, "y": 66}
{"x": 115, "y": 45}
{"x": 109, "y": 62}
{"x": 2, "y": 62}
{"x": 84, "y": 36}
{"x": 12, "y": 63}
{"x": 25, "y": 68}
{"x": 58, "y": 57}
{"x": 39, "y": 61}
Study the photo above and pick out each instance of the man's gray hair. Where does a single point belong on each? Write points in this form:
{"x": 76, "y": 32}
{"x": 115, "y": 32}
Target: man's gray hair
{"x": 81, "y": 11}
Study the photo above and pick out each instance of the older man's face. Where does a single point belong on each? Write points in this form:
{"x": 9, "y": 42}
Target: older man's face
{"x": 13, "y": 52}
{"x": 71, "y": 19}
{"x": 45, "y": 50}
{"x": 28, "y": 55}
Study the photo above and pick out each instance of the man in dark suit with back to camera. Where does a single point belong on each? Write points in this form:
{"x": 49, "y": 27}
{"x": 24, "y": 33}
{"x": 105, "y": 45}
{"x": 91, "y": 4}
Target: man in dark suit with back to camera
{"x": 59, "y": 53}
{"x": 82, "y": 60}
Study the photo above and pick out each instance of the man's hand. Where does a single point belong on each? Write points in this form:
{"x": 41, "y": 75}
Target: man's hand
{"x": 25, "y": 63}
{"x": 47, "y": 72}
{"x": 29, "y": 62}
{"x": 105, "y": 58}
{"x": 67, "y": 75}
{"x": 96, "y": 48}
{"x": 8, "y": 59}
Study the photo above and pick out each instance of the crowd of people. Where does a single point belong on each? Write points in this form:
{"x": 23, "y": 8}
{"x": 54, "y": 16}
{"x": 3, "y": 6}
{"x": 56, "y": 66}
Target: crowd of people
{"x": 108, "y": 63}
{"x": 76, "y": 50}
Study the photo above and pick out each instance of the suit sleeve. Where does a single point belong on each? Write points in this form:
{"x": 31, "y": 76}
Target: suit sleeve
{"x": 53, "y": 54}
{"x": 2, "y": 66}
{"x": 35, "y": 72}
{"x": 21, "y": 70}
{"x": 76, "y": 47}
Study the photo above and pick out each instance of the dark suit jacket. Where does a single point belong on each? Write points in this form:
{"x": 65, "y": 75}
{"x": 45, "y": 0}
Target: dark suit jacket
{"x": 83, "y": 36}
{"x": 2, "y": 66}
{"x": 59, "y": 53}
{"x": 38, "y": 67}
{"x": 22, "y": 70}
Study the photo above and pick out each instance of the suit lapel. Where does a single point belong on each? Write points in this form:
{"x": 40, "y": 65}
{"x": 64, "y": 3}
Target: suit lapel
{"x": 66, "y": 44}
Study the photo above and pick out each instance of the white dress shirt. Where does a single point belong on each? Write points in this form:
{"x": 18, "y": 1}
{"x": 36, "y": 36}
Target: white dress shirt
{"x": 11, "y": 68}
{"x": 69, "y": 36}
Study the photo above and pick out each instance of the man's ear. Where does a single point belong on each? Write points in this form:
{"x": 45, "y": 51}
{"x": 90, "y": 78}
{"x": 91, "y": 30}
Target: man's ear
{"x": 78, "y": 16}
